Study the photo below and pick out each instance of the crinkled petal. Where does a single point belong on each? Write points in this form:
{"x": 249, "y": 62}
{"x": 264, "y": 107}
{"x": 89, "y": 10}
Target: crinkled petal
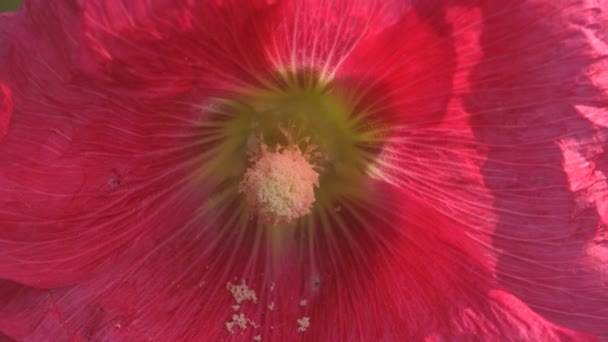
{"x": 544, "y": 164}
{"x": 28, "y": 314}
{"x": 520, "y": 154}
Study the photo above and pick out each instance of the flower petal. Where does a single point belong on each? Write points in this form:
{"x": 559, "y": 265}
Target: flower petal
{"x": 173, "y": 47}
{"x": 541, "y": 153}
{"x": 405, "y": 72}
{"x": 26, "y": 313}
{"x": 6, "y": 98}
{"x": 382, "y": 274}
{"x": 94, "y": 168}
{"x": 520, "y": 153}
{"x": 6, "y": 109}
{"x": 81, "y": 172}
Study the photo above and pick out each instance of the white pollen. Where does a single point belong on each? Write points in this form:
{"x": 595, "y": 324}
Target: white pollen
{"x": 303, "y": 302}
{"x": 271, "y": 306}
{"x": 253, "y": 324}
{"x": 303, "y": 324}
{"x": 236, "y": 307}
{"x": 242, "y": 292}
{"x": 257, "y": 338}
{"x": 237, "y": 320}
{"x": 279, "y": 186}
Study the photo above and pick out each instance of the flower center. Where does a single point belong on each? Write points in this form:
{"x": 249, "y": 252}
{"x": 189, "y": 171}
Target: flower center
{"x": 279, "y": 186}
{"x": 288, "y": 150}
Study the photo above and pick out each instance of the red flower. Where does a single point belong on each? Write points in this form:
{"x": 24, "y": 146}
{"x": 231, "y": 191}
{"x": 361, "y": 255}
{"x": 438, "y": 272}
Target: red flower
{"x": 346, "y": 170}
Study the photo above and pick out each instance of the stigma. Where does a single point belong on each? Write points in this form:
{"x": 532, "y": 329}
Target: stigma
{"x": 279, "y": 185}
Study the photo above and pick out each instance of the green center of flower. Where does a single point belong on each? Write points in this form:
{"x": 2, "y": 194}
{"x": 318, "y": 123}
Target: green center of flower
{"x": 290, "y": 149}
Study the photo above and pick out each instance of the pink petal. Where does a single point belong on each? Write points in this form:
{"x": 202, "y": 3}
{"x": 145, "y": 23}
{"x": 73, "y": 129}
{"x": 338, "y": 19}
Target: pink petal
{"x": 523, "y": 100}
{"x": 502, "y": 159}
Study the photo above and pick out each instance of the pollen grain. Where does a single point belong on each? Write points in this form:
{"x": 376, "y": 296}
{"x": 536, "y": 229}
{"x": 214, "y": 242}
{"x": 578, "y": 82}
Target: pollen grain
{"x": 279, "y": 186}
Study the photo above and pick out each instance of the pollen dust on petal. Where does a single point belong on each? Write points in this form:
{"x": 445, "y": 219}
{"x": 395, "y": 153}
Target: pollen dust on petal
{"x": 237, "y": 320}
{"x": 242, "y": 292}
{"x": 303, "y": 324}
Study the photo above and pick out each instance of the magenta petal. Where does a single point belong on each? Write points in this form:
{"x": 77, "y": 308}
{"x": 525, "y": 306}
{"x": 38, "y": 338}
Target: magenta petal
{"x": 486, "y": 218}
{"x": 544, "y": 164}
{"x": 25, "y": 314}
{"x": 425, "y": 285}
{"x": 520, "y": 156}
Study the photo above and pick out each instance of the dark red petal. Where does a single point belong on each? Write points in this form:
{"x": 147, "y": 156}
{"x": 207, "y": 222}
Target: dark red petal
{"x": 80, "y": 171}
{"x": 167, "y": 47}
{"x": 403, "y": 73}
